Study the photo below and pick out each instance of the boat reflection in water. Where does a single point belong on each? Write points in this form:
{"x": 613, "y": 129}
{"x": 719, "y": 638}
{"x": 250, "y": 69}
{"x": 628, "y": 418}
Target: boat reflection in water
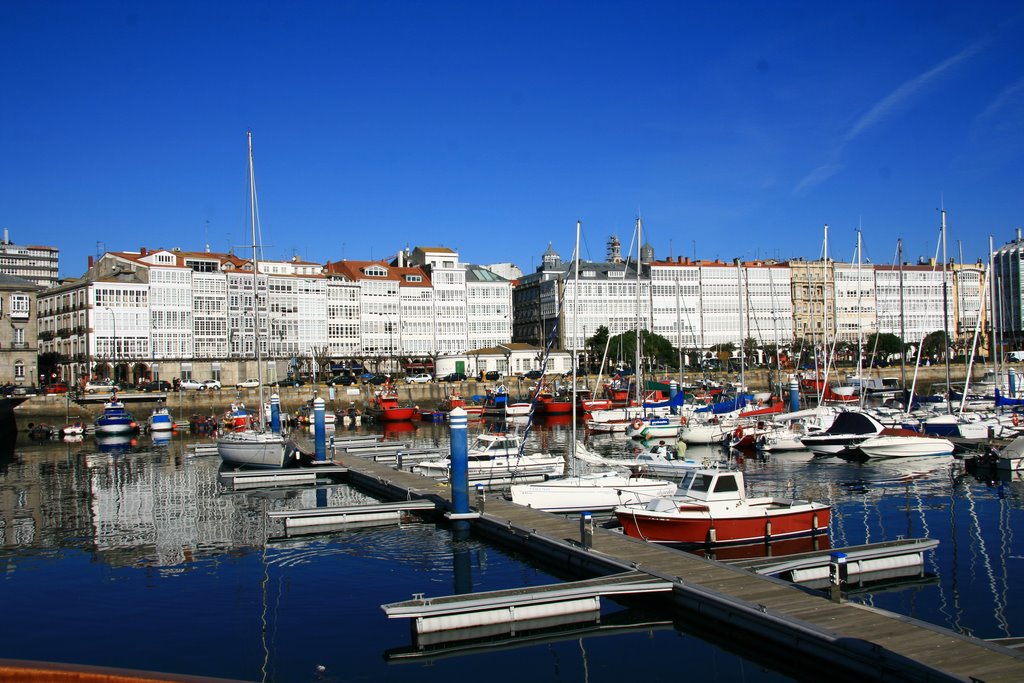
{"x": 779, "y": 548}
{"x": 161, "y": 438}
{"x": 394, "y": 431}
{"x": 116, "y": 443}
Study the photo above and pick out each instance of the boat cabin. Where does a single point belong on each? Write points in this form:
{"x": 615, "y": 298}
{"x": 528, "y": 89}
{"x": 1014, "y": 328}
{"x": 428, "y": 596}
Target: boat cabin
{"x": 493, "y": 445}
{"x": 713, "y": 485}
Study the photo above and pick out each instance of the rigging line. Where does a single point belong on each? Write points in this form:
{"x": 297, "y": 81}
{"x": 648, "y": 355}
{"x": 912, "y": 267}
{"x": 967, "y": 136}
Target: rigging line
{"x": 920, "y": 345}
{"x": 544, "y": 366}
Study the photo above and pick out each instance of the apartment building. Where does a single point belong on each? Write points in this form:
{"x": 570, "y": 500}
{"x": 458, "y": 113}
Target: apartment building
{"x": 36, "y": 264}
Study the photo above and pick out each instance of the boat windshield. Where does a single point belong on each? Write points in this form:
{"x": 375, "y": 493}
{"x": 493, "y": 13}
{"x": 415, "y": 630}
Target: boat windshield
{"x": 496, "y": 445}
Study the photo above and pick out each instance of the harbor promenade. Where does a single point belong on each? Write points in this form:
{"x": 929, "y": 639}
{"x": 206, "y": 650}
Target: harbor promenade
{"x": 817, "y": 636}
{"x": 55, "y": 408}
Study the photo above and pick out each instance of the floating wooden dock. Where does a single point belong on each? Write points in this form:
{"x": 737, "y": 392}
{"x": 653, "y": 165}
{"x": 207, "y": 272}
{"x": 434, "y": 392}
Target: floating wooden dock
{"x": 864, "y": 562}
{"x": 457, "y": 617}
{"x": 238, "y": 480}
{"x": 316, "y": 520}
{"x": 786, "y": 622}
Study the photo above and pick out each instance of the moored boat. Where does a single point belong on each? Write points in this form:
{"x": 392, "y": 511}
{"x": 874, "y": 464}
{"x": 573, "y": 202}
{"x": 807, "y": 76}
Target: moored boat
{"x": 115, "y": 419}
{"x": 712, "y": 507}
{"x": 903, "y": 444}
{"x": 849, "y": 429}
{"x": 386, "y": 407}
{"x": 497, "y": 456}
{"x": 160, "y": 420}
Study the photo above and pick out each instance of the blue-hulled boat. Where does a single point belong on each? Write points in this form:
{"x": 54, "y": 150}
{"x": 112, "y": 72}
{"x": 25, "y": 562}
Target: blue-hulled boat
{"x": 115, "y": 419}
{"x": 160, "y": 420}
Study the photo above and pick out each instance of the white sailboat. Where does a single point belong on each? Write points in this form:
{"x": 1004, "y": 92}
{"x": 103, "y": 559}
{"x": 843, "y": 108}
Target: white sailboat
{"x": 254, "y": 446}
{"x": 593, "y": 491}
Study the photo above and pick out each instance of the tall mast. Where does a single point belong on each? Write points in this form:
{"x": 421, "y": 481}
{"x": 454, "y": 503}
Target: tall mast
{"x": 739, "y": 286}
{"x": 945, "y": 312}
{"x": 679, "y": 333}
{"x": 903, "y": 325}
{"x": 575, "y": 342}
{"x": 255, "y": 278}
{"x": 860, "y": 323}
{"x": 639, "y": 321}
{"x": 993, "y": 344}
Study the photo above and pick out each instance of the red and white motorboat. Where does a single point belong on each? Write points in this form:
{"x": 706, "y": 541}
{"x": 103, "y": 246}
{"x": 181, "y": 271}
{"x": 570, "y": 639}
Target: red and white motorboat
{"x": 712, "y": 507}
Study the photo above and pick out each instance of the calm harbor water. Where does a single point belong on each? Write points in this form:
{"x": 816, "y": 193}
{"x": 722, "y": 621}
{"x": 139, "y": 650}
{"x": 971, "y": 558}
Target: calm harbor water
{"x": 140, "y": 559}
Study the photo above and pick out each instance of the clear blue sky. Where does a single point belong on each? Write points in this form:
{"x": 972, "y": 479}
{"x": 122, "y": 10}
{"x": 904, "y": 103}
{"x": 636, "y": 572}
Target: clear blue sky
{"x": 735, "y": 129}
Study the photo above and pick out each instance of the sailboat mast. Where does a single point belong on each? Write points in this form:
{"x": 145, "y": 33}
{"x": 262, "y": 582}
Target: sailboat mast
{"x": 860, "y": 323}
{"x": 945, "y": 312}
{"x": 255, "y": 278}
{"x": 575, "y": 342}
{"x": 739, "y": 287}
{"x": 639, "y": 299}
{"x": 993, "y": 340}
{"x": 903, "y": 325}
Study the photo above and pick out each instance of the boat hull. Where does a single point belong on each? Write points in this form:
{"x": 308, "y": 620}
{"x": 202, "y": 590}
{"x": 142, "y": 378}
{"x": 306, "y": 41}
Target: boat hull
{"x": 499, "y": 467}
{"x": 905, "y": 447}
{"x": 700, "y": 527}
{"x": 115, "y": 425}
{"x": 592, "y": 493}
{"x": 252, "y": 450}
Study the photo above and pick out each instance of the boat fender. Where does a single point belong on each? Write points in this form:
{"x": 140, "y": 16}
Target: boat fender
{"x": 1016, "y": 420}
{"x": 638, "y": 423}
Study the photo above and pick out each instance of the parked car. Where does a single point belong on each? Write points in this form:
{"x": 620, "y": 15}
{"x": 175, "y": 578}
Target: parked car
{"x": 420, "y": 378}
{"x": 291, "y": 382}
{"x": 157, "y": 385}
{"x": 193, "y": 384}
{"x": 534, "y": 374}
{"x": 101, "y": 386}
{"x": 57, "y": 388}
{"x": 376, "y": 379}
{"x": 343, "y": 380}
{"x": 250, "y": 383}
{"x": 454, "y": 377}
{"x": 212, "y": 384}
{"x": 493, "y": 375}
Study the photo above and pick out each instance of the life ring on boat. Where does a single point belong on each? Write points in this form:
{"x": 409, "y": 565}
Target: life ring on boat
{"x": 738, "y": 433}
{"x": 1016, "y": 419}
{"x": 639, "y": 424}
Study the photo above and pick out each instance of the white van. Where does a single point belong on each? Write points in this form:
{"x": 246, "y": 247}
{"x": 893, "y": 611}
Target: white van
{"x": 1015, "y": 357}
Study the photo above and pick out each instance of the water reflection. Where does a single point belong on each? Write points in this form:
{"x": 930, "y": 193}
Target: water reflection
{"x": 149, "y": 534}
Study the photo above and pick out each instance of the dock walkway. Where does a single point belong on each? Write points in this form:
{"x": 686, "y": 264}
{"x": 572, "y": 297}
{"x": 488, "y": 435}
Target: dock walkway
{"x": 721, "y": 599}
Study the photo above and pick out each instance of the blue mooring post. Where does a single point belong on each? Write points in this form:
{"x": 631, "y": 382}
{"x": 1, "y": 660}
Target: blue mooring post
{"x": 1011, "y": 382}
{"x": 275, "y": 413}
{"x": 458, "y": 474}
{"x": 320, "y": 427}
{"x": 673, "y": 391}
{"x": 794, "y": 394}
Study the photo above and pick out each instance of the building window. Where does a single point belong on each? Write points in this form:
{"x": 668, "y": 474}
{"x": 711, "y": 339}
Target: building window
{"x": 19, "y": 336}
{"x": 19, "y": 306}
{"x": 19, "y": 370}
